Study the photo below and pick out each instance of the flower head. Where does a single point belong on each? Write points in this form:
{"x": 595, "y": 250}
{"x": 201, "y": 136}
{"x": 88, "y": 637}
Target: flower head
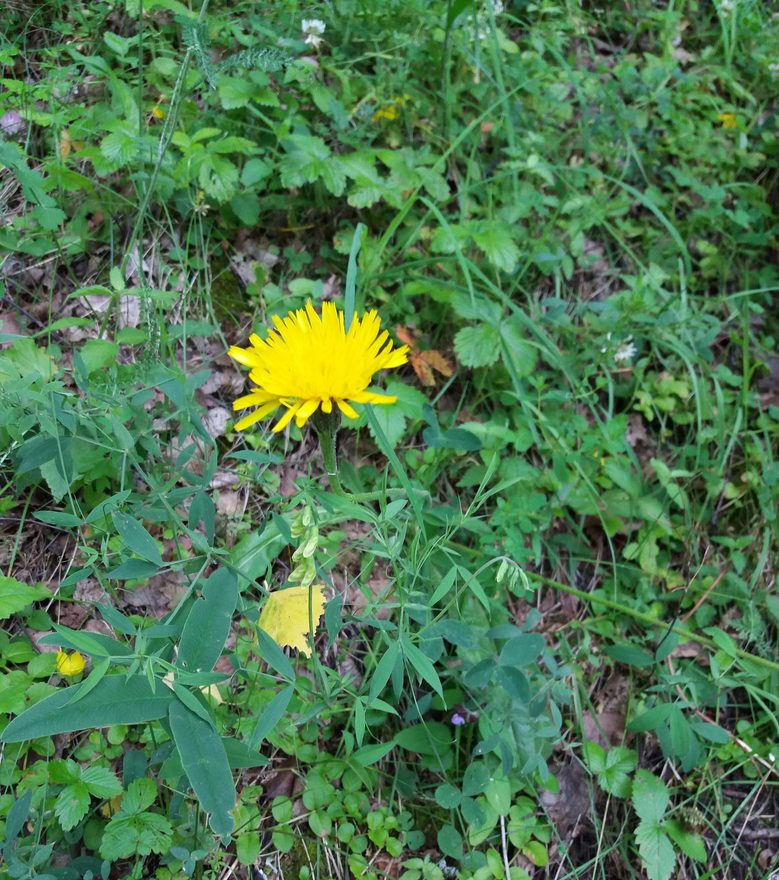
{"x": 625, "y": 352}
{"x": 70, "y": 664}
{"x": 312, "y": 28}
{"x": 728, "y": 120}
{"x": 309, "y": 362}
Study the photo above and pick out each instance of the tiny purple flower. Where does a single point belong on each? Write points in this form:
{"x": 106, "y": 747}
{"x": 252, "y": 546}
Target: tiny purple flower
{"x": 458, "y": 720}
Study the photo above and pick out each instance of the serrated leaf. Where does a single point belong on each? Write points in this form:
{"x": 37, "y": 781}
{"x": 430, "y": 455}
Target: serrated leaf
{"x": 15, "y": 596}
{"x": 477, "y": 346}
{"x": 650, "y": 796}
{"x": 72, "y": 805}
{"x": 140, "y": 795}
{"x": 656, "y": 851}
{"x": 136, "y": 835}
{"x": 494, "y": 239}
{"x": 101, "y": 782}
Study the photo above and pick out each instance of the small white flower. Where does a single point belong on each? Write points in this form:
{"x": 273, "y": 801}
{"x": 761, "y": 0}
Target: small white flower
{"x": 773, "y": 68}
{"x": 726, "y": 7}
{"x": 312, "y": 28}
{"x": 625, "y": 352}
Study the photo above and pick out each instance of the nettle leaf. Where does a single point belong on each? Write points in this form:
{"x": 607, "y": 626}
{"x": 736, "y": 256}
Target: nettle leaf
{"x": 72, "y": 805}
{"x": 477, "y": 346}
{"x": 15, "y": 596}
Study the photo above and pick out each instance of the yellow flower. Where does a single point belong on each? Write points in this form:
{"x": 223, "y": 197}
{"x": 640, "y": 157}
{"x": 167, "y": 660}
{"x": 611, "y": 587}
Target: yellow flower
{"x": 284, "y": 616}
{"x": 728, "y": 120}
{"x": 157, "y": 112}
{"x": 70, "y": 664}
{"x": 309, "y": 362}
{"x": 388, "y": 111}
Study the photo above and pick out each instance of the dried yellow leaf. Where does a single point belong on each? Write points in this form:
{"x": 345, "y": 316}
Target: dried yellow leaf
{"x": 285, "y": 615}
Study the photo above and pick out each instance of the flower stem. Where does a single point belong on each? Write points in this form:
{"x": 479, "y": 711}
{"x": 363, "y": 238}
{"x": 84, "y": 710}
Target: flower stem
{"x": 327, "y": 445}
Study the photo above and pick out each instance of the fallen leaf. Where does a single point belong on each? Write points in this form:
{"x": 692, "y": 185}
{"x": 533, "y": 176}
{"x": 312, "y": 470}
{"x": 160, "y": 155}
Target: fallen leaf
{"x": 424, "y": 362}
{"x": 285, "y": 616}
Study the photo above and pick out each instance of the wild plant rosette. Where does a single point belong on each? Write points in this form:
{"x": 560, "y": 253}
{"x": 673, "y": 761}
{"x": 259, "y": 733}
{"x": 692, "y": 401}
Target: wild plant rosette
{"x": 310, "y": 362}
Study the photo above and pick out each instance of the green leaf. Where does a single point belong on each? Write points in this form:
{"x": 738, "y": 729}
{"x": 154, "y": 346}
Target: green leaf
{"x": 650, "y": 796}
{"x": 208, "y": 623}
{"x": 612, "y": 767}
{"x": 98, "y": 354}
{"x": 630, "y": 655}
{"x": 656, "y": 851}
{"x": 15, "y": 596}
{"x": 524, "y": 355}
{"x": 117, "y": 699}
{"x": 368, "y": 755}
{"x": 101, "y": 782}
{"x": 136, "y": 538}
{"x": 476, "y": 779}
{"x": 448, "y": 797}
{"x": 383, "y": 671}
{"x": 423, "y": 667}
{"x": 690, "y": 844}
{"x": 433, "y": 738}
{"x": 271, "y": 716}
{"x": 494, "y": 238}
{"x": 272, "y": 654}
{"x": 135, "y": 832}
{"x": 205, "y": 762}
{"x": 522, "y": 650}
{"x": 71, "y": 805}
{"x": 450, "y": 841}
{"x": 140, "y": 795}
{"x": 477, "y": 346}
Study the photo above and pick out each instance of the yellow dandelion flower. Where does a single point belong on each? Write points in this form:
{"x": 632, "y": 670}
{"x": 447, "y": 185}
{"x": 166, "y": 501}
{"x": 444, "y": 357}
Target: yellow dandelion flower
{"x": 70, "y": 664}
{"x": 309, "y": 362}
{"x": 157, "y": 112}
{"x": 728, "y": 120}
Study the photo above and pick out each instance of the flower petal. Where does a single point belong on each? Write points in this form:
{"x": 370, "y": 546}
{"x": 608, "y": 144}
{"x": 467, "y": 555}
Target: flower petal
{"x": 347, "y": 410}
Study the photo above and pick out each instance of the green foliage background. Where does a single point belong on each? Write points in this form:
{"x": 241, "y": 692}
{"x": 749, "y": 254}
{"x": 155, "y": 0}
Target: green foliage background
{"x": 550, "y": 643}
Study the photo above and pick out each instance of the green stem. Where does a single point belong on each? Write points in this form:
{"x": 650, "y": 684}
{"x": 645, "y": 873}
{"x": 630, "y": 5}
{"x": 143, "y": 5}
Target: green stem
{"x": 327, "y": 444}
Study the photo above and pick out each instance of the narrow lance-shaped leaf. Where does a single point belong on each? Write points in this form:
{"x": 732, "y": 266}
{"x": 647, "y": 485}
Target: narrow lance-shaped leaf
{"x": 208, "y": 623}
{"x": 205, "y": 762}
{"x": 115, "y": 700}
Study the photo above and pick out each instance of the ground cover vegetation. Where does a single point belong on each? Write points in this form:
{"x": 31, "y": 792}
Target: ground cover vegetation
{"x": 518, "y": 622}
